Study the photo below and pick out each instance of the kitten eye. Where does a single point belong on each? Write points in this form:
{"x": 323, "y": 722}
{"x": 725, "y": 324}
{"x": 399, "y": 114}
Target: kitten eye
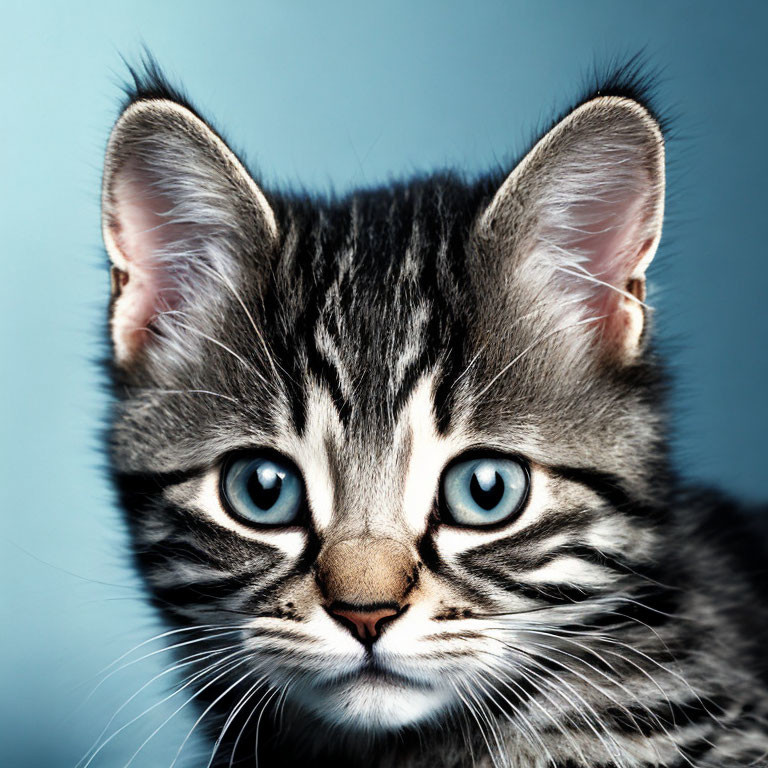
{"x": 484, "y": 491}
{"x": 262, "y": 489}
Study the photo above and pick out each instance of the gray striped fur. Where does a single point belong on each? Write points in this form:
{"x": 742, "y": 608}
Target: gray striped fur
{"x": 371, "y": 338}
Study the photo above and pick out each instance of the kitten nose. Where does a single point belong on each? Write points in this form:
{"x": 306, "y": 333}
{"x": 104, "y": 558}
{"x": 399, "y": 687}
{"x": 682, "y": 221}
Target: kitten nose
{"x": 365, "y": 622}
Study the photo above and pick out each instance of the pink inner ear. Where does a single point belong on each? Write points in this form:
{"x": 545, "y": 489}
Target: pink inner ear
{"x": 142, "y": 232}
{"x": 610, "y": 241}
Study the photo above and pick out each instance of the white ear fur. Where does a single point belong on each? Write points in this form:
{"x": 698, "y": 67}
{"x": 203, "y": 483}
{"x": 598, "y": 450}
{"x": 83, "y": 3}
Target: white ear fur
{"x": 176, "y": 202}
{"x": 587, "y": 203}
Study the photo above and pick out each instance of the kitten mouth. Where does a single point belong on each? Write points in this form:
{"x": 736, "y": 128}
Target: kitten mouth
{"x": 373, "y": 673}
{"x": 373, "y": 698}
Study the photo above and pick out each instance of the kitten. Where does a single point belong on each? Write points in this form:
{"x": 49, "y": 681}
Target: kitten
{"x": 396, "y": 465}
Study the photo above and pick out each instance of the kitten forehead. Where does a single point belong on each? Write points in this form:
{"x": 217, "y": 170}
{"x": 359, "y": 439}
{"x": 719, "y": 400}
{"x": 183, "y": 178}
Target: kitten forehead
{"x": 381, "y": 483}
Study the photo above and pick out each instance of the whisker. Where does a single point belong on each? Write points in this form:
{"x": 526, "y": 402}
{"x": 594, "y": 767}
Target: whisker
{"x": 258, "y": 726}
{"x": 586, "y": 276}
{"x": 218, "y": 343}
{"x": 227, "y": 282}
{"x": 195, "y": 659}
{"x": 201, "y": 627}
{"x": 471, "y": 710}
{"x": 507, "y": 681}
{"x": 232, "y": 716}
{"x": 114, "y": 735}
{"x": 613, "y": 653}
{"x": 157, "y": 391}
{"x": 270, "y": 688}
{"x": 533, "y": 344}
{"x": 226, "y": 671}
{"x": 654, "y": 718}
{"x": 529, "y": 730}
{"x": 207, "y": 710}
{"x": 164, "y": 649}
{"x": 591, "y": 721}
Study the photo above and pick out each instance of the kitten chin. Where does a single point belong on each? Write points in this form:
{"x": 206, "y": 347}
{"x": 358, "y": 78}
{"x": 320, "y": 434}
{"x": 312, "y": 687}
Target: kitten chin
{"x": 375, "y": 704}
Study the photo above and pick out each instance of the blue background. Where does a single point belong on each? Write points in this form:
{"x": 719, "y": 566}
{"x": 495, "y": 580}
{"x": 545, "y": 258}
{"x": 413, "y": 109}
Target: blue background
{"x": 323, "y": 95}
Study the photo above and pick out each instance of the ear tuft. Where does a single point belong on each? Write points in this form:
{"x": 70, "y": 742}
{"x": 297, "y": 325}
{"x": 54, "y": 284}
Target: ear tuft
{"x": 586, "y": 206}
{"x": 178, "y": 209}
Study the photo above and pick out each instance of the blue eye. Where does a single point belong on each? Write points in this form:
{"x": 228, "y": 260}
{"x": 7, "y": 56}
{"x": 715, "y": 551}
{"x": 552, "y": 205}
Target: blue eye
{"x": 484, "y": 491}
{"x": 263, "y": 489}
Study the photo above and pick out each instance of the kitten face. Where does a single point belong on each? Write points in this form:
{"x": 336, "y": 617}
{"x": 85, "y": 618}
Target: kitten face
{"x": 363, "y": 348}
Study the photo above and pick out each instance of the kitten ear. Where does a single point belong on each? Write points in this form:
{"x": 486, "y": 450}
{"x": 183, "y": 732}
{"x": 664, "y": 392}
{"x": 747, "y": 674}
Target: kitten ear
{"x": 585, "y": 206}
{"x": 177, "y": 209}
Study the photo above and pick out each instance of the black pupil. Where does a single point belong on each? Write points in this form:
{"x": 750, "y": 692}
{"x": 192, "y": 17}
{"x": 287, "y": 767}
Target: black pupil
{"x": 264, "y": 486}
{"x": 488, "y": 494}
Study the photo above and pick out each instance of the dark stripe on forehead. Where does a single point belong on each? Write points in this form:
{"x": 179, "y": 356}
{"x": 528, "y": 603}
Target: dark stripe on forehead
{"x": 363, "y": 267}
{"x": 276, "y": 308}
{"x": 411, "y": 377}
{"x": 326, "y": 374}
{"x": 296, "y": 308}
{"x": 446, "y": 283}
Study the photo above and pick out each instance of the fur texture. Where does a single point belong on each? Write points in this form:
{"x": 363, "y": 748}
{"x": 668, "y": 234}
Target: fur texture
{"x": 372, "y": 339}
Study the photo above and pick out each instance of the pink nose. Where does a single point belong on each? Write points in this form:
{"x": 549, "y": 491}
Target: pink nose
{"x": 365, "y": 624}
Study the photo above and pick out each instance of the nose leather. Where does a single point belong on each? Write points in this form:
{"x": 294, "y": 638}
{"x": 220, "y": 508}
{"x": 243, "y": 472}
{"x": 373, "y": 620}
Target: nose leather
{"x": 365, "y": 582}
{"x": 366, "y": 624}
{"x": 366, "y": 574}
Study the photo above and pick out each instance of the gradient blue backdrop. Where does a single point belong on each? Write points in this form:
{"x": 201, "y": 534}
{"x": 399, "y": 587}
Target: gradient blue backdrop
{"x": 326, "y": 95}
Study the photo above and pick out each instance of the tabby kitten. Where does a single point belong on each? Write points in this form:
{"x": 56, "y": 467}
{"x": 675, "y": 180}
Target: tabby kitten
{"x": 395, "y": 465}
